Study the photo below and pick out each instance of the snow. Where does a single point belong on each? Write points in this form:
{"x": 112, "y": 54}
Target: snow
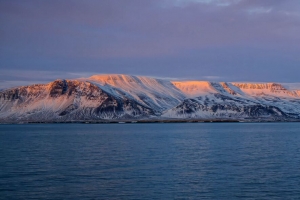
{"x": 159, "y": 95}
{"x": 148, "y": 91}
{"x": 194, "y": 88}
{"x": 266, "y": 89}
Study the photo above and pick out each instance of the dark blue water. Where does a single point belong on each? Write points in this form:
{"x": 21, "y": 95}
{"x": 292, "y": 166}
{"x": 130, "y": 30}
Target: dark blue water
{"x": 150, "y": 161}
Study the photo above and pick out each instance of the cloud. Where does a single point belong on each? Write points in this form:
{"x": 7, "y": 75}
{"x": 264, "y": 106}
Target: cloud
{"x": 212, "y": 77}
{"x": 158, "y": 38}
{"x": 208, "y": 2}
{"x": 11, "y": 78}
{"x": 108, "y": 29}
{"x": 259, "y": 10}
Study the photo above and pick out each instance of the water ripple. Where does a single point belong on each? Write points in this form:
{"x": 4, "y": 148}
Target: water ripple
{"x": 150, "y": 161}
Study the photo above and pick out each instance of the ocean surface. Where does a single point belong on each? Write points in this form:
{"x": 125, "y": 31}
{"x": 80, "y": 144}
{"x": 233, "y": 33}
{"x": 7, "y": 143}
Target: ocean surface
{"x": 150, "y": 161}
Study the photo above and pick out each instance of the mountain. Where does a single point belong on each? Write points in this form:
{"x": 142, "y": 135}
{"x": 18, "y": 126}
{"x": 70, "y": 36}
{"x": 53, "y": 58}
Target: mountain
{"x": 124, "y": 97}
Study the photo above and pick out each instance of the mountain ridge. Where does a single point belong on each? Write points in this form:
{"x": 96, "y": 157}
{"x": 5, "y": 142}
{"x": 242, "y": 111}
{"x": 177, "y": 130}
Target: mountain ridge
{"x": 121, "y": 97}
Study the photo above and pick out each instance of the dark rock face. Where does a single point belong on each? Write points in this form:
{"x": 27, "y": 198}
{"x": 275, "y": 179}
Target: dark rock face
{"x": 22, "y": 93}
{"x": 224, "y": 107}
{"x": 72, "y": 100}
{"x": 69, "y": 109}
{"x": 10, "y": 95}
{"x": 58, "y": 88}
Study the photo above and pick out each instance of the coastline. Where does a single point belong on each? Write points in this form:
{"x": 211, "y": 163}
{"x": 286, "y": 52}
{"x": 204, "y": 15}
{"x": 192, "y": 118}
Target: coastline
{"x": 143, "y": 121}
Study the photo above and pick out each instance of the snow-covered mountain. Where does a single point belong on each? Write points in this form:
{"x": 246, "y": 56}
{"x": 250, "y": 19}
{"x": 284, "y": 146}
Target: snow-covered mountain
{"x": 113, "y": 97}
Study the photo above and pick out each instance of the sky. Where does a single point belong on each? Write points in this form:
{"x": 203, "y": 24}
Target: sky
{"x": 215, "y": 40}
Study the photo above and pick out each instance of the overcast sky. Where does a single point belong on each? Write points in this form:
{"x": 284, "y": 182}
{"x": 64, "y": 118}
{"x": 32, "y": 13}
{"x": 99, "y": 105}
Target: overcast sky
{"x": 217, "y": 40}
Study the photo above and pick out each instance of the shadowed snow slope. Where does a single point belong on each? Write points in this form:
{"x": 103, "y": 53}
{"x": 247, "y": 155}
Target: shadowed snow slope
{"x": 117, "y": 96}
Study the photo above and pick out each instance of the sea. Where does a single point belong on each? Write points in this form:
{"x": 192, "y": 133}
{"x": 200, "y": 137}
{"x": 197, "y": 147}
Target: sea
{"x": 150, "y": 161}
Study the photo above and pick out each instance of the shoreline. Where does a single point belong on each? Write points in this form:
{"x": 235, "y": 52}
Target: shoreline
{"x": 148, "y": 121}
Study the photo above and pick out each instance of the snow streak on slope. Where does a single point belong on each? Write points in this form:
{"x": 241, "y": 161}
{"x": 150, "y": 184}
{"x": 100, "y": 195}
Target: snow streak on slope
{"x": 137, "y": 97}
{"x": 155, "y": 93}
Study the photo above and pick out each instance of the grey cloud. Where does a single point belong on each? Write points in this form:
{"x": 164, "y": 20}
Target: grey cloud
{"x": 237, "y": 39}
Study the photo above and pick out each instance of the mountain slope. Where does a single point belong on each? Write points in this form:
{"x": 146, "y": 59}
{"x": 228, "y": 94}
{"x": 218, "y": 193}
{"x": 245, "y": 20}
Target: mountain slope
{"x": 67, "y": 100}
{"x": 156, "y": 93}
{"x": 111, "y": 97}
{"x": 269, "y": 101}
